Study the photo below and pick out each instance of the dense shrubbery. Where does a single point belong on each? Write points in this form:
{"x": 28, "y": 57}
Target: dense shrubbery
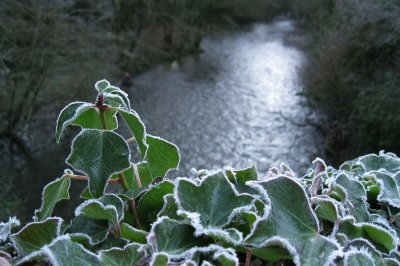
{"x": 349, "y": 216}
{"x": 354, "y": 75}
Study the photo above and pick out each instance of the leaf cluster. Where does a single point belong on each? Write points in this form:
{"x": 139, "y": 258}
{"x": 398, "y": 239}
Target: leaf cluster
{"x": 345, "y": 216}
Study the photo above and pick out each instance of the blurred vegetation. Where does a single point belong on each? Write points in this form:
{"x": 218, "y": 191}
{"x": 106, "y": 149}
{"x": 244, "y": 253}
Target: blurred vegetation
{"x": 354, "y": 73}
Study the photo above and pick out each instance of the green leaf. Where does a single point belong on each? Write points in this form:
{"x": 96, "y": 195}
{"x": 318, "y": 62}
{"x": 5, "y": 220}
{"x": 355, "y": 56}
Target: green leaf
{"x": 90, "y": 119}
{"x": 242, "y": 176}
{"x": 52, "y": 193}
{"x": 97, "y": 230}
{"x": 379, "y": 260}
{"x": 117, "y": 98}
{"x": 86, "y": 194}
{"x": 292, "y": 224}
{"x": 356, "y": 197}
{"x": 35, "y": 235}
{"x": 152, "y": 202}
{"x": 170, "y": 208}
{"x": 162, "y": 156}
{"x": 144, "y": 177}
{"x": 389, "y": 189}
{"x": 131, "y": 254}
{"x": 65, "y": 252}
{"x": 132, "y": 234}
{"x": 101, "y": 85}
{"x": 99, "y": 154}
{"x": 375, "y": 162}
{"x": 214, "y": 202}
{"x": 326, "y": 208}
{"x": 137, "y": 129}
{"x": 109, "y": 207}
{"x": 68, "y": 114}
{"x": 380, "y": 237}
{"x": 159, "y": 259}
{"x": 358, "y": 258}
{"x": 172, "y": 237}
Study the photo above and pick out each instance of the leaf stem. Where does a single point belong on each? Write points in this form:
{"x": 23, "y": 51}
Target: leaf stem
{"x": 83, "y": 177}
{"x": 135, "y": 215}
{"x": 249, "y": 253}
{"x": 138, "y": 180}
{"x": 130, "y": 140}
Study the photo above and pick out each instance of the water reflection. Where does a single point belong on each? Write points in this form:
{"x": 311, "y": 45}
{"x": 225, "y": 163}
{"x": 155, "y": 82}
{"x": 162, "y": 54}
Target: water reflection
{"x": 227, "y": 106}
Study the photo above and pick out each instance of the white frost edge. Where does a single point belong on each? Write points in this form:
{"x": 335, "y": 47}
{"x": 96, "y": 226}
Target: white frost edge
{"x": 381, "y": 182}
{"x": 78, "y": 210}
{"x": 154, "y": 256}
{"x": 66, "y": 122}
{"x": 96, "y": 85}
{"x": 144, "y": 130}
{"x": 354, "y": 251}
{"x": 44, "y": 189}
{"x": 177, "y": 148}
{"x": 58, "y": 230}
{"x": 229, "y": 255}
{"x": 80, "y": 171}
{"x": 12, "y": 222}
{"x": 194, "y": 216}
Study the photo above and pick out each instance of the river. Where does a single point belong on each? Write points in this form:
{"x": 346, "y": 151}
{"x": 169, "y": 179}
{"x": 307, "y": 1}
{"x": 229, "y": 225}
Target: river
{"x": 236, "y": 104}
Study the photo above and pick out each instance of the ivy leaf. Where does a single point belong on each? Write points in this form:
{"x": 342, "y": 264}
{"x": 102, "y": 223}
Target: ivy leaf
{"x": 389, "y": 192}
{"x": 360, "y": 258}
{"x": 52, "y": 193}
{"x": 137, "y": 129}
{"x": 159, "y": 259}
{"x": 326, "y": 209}
{"x": 68, "y": 114}
{"x": 291, "y": 224}
{"x": 362, "y": 244}
{"x": 5, "y": 228}
{"x": 356, "y": 195}
{"x": 375, "y": 162}
{"x": 99, "y": 154}
{"x": 109, "y": 207}
{"x": 35, "y": 235}
{"x": 131, "y": 254}
{"x": 170, "y": 208}
{"x": 117, "y": 98}
{"x": 213, "y": 202}
{"x": 172, "y": 237}
{"x": 380, "y": 237}
{"x": 65, "y": 252}
{"x": 101, "y": 85}
{"x": 162, "y": 156}
{"x": 90, "y": 119}
{"x": 241, "y": 176}
{"x": 152, "y": 202}
{"x": 96, "y": 230}
{"x": 132, "y": 234}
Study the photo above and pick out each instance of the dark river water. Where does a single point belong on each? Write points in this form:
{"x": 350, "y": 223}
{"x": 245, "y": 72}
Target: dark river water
{"x": 235, "y": 104}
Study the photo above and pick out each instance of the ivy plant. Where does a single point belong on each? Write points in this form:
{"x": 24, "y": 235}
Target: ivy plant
{"x": 345, "y": 216}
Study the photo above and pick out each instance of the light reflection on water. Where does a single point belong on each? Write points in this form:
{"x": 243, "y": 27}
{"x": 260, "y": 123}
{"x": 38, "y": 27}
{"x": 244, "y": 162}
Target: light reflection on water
{"x": 227, "y": 106}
